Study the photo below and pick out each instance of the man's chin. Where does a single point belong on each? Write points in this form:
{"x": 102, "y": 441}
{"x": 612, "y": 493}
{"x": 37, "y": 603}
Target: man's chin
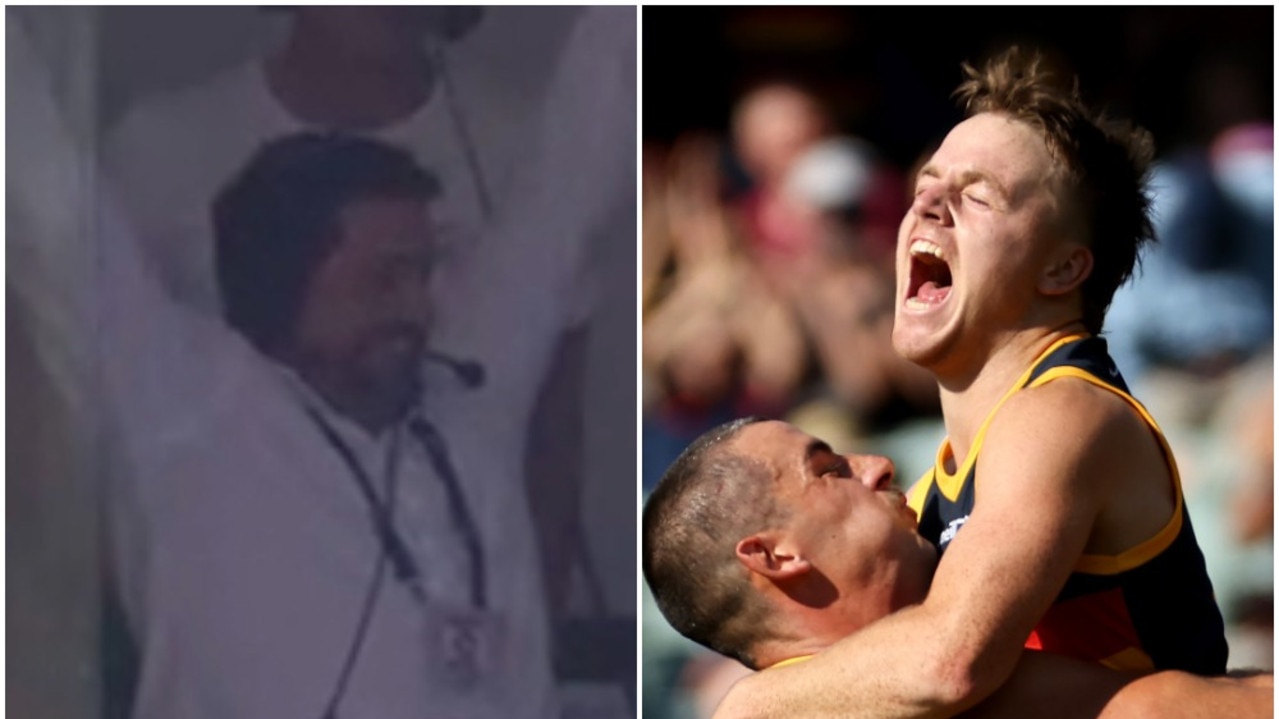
{"x": 399, "y": 385}
{"x": 921, "y": 346}
{"x": 910, "y": 347}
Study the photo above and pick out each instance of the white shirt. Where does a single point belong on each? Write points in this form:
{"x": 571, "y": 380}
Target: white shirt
{"x": 547, "y": 149}
{"x": 241, "y": 545}
{"x": 576, "y": 181}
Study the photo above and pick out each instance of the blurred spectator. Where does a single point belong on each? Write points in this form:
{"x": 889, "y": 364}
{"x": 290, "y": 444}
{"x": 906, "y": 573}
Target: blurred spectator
{"x": 717, "y": 339}
{"x": 773, "y": 126}
{"x": 1254, "y": 497}
{"x": 655, "y": 242}
{"x": 778, "y": 302}
{"x": 1204, "y": 301}
{"x": 844, "y": 291}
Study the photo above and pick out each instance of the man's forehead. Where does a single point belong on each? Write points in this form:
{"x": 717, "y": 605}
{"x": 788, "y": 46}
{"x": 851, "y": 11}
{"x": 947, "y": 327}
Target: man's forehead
{"x": 771, "y": 441}
{"x": 997, "y": 141}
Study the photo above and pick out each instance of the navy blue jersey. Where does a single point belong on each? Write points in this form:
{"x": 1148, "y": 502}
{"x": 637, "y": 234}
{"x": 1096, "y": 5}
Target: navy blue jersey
{"x": 1150, "y": 607}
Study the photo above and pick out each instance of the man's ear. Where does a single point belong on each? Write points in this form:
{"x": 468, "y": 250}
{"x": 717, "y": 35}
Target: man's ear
{"x": 1068, "y": 270}
{"x": 767, "y": 555}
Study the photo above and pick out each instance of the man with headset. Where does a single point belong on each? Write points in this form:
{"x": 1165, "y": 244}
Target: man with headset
{"x": 444, "y": 83}
{"x": 300, "y": 522}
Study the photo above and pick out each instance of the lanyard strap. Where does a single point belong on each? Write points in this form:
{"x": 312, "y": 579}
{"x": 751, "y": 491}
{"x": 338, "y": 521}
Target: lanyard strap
{"x": 437, "y": 452}
{"x": 393, "y": 545}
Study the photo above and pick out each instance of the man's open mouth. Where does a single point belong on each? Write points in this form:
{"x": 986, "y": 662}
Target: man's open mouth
{"x": 929, "y": 275}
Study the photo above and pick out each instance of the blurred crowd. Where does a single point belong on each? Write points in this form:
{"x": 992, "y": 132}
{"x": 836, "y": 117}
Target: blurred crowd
{"x": 768, "y": 278}
{"x": 768, "y": 288}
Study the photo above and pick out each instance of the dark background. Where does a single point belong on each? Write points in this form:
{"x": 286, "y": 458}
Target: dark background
{"x": 887, "y": 72}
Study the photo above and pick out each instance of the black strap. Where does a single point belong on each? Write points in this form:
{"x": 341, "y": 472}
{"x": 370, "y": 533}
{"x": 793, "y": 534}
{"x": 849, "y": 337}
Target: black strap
{"x": 436, "y": 450}
{"x": 406, "y": 569}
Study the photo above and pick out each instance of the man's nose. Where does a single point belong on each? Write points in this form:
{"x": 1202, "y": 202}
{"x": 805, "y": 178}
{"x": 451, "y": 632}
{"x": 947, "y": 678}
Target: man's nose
{"x": 874, "y": 471}
{"x": 930, "y": 204}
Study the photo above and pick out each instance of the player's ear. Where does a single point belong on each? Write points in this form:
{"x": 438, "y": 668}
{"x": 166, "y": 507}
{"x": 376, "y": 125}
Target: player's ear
{"x": 1069, "y": 268}
{"x": 768, "y": 555}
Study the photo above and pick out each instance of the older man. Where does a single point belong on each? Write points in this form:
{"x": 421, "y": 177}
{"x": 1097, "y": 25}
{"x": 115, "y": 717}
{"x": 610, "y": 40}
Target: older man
{"x": 763, "y": 544}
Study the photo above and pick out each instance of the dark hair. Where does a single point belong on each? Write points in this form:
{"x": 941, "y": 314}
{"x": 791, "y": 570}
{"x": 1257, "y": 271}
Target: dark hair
{"x": 277, "y": 220}
{"x": 1105, "y": 163}
{"x": 707, "y": 500}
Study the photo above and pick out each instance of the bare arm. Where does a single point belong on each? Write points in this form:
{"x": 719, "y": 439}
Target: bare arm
{"x": 770, "y": 338}
{"x": 1178, "y": 695}
{"x": 1047, "y": 686}
{"x": 843, "y": 311}
{"x": 1050, "y": 687}
{"x": 999, "y": 575}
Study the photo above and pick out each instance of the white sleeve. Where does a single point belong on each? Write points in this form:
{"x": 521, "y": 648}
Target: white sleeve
{"x": 99, "y": 316}
{"x": 579, "y": 188}
{"x": 161, "y": 174}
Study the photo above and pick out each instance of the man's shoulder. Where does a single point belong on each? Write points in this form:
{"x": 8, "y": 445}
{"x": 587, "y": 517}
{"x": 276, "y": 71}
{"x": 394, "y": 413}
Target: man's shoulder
{"x": 1069, "y": 423}
{"x": 740, "y": 701}
{"x": 1068, "y": 403}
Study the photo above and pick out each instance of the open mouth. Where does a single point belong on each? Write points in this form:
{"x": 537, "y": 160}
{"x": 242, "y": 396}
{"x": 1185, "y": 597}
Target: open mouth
{"x": 930, "y": 278}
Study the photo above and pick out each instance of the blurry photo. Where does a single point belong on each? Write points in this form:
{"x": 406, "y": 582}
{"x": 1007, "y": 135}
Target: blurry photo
{"x": 316, "y": 320}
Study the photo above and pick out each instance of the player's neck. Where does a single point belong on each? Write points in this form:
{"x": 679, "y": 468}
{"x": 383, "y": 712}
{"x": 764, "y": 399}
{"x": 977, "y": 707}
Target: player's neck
{"x": 803, "y": 628}
{"x": 968, "y": 398}
{"x": 773, "y": 653}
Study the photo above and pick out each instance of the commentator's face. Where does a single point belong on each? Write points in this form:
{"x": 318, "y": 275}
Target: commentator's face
{"x": 844, "y": 514}
{"x": 366, "y": 315}
{"x": 973, "y": 242}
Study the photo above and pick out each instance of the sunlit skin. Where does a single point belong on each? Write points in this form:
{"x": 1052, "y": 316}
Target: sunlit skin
{"x": 987, "y": 205}
{"x": 844, "y": 550}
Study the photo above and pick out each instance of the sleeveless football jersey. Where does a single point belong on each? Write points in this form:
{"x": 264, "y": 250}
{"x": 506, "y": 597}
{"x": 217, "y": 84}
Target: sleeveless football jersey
{"x": 1150, "y": 607}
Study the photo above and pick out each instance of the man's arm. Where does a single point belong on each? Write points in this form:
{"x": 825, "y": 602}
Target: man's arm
{"x": 1049, "y": 457}
{"x": 1046, "y": 686}
{"x": 1178, "y": 695}
{"x": 100, "y": 317}
{"x": 553, "y": 465}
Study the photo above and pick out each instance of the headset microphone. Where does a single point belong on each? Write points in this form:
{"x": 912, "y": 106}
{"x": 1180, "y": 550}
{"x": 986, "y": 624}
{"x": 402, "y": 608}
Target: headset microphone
{"x": 469, "y": 372}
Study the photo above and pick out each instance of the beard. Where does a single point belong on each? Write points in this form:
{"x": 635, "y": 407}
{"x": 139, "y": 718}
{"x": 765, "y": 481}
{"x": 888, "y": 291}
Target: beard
{"x": 387, "y": 368}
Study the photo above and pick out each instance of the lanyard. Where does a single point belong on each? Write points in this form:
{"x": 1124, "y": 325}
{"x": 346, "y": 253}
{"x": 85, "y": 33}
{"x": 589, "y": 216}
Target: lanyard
{"x": 393, "y": 545}
{"x": 464, "y": 521}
